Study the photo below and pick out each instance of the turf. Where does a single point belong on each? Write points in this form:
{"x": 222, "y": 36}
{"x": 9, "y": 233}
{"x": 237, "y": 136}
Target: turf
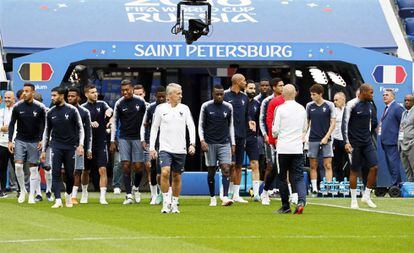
{"x": 200, "y": 228}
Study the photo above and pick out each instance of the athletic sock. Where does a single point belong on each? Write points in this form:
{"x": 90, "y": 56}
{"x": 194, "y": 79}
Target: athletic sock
{"x": 290, "y": 189}
{"x": 84, "y": 188}
{"x": 256, "y": 185}
{"x": 226, "y": 184}
{"x": 165, "y": 196}
{"x": 38, "y": 188}
{"x": 103, "y": 192}
{"x": 231, "y": 188}
{"x": 367, "y": 193}
{"x": 236, "y": 189}
{"x": 48, "y": 176}
{"x": 354, "y": 194}
{"x": 20, "y": 176}
{"x": 153, "y": 190}
{"x": 314, "y": 184}
{"x": 75, "y": 191}
{"x": 170, "y": 191}
{"x": 33, "y": 180}
{"x": 174, "y": 200}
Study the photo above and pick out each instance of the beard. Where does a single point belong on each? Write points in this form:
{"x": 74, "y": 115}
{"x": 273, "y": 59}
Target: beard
{"x": 251, "y": 95}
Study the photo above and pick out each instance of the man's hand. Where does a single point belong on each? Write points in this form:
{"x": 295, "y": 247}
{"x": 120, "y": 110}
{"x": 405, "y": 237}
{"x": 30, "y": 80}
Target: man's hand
{"x": 10, "y": 147}
{"x": 5, "y": 129}
{"x": 108, "y": 113}
{"x": 43, "y": 157}
{"x": 252, "y": 125}
{"x": 79, "y": 150}
{"x": 191, "y": 150}
{"x": 233, "y": 149}
{"x": 144, "y": 145}
{"x": 153, "y": 154}
{"x": 94, "y": 124}
{"x": 112, "y": 147}
{"x": 324, "y": 141}
{"x": 89, "y": 155}
{"x": 39, "y": 146}
{"x": 348, "y": 148}
{"x": 204, "y": 146}
{"x": 266, "y": 139}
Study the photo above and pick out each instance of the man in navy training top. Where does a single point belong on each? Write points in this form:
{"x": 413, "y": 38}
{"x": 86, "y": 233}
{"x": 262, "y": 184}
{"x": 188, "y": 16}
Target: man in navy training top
{"x": 64, "y": 129}
{"x": 155, "y": 169}
{"x": 357, "y": 123}
{"x": 73, "y": 99}
{"x": 30, "y": 117}
{"x": 321, "y": 122}
{"x": 100, "y": 113}
{"x": 238, "y": 99}
{"x": 129, "y": 111}
{"x": 216, "y": 132}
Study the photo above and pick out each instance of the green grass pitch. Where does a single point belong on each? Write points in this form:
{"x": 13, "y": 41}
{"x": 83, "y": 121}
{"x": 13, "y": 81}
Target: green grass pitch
{"x": 327, "y": 225}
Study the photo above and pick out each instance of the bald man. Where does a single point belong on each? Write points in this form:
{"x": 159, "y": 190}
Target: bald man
{"x": 5, "y": 155}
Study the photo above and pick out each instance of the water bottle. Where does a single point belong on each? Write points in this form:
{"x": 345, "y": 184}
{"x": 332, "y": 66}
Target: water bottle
{"x": 323, "y": 187}
{"x": 360, "y": 187}
{"x": 334, "y": 187}
{"x": 346, "y": 187}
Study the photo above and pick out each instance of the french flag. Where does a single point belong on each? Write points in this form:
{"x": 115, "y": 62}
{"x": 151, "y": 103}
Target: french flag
{"x": 225, "y": 72}
{"x": 389, "y": 74}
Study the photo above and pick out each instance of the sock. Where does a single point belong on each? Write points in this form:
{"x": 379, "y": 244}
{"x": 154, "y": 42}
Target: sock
{"x": 256, "y": 185}
{"x": 137, "y": 178}
{"x": 236, "y": 189}
{"x": 75, "y": 191}
{"x": 48, "y": 176}
{"x": 33, "y": 180}
{"x": 290, "y": 189}
{"x": 84, "y": 188}
{"x": 210, "y": 182}
{"x": 103, "y": 192}
{"x": 165, "y": 197}
{"x": 153, "y": 190}
{"x": 58, "y": 201}
{"x": 265, "y": 194}
{"x": 174, "y": 200}
{"x": 226, "y": 186}
{"x": 38, "y": 188}
{"x": 221, "y": 189}
{"x": 20, "y": 176}
{"x": 231, "y": 188}
{"x": 170, "y": 190}
{"x": 367, "y": 193}
{"x": 314, "y": 184}
{"x": 353, "y": 194}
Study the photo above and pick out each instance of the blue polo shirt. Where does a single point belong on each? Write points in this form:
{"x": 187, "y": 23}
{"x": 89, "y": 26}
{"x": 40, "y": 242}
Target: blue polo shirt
{"x": 320, "y": 118}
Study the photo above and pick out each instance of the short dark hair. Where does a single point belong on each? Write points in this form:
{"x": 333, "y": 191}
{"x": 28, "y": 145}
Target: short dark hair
{"x": 275, "y": 81}
{"x": 160, "y": 89}
{"x": 249, "y": 81}
{"x": 73, "y": 89}
{"x": 29, "y": 85}
{"x": 264, "y": 79}
{"x": 139, "y": 87}
{"x": 19, "y": 93}
{"x": 88, "y": 87}
{"x": 59, "y": 90}
{"x": 218, "y": 87}
{"x": 126, "y": 82}
{"x": 316, "y": 88}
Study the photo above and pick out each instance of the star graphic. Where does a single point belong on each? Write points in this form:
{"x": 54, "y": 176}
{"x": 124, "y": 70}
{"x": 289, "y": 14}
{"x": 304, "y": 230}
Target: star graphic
{"x": 284, "y": 2}
{"x": 310, "y": 55}
{"x": 62, "y": 6}
{"x": 312, "y": 5}
{"x": 103, "y": 51}
{"x": 321, "y": 50}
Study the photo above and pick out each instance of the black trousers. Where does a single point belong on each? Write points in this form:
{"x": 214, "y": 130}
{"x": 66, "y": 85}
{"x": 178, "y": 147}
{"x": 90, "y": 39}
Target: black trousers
{"x": 5, "y": 157}
{"x": 294, "y": 164}
{"x": 339, "y": 160}
{"x": 67, "y": 159}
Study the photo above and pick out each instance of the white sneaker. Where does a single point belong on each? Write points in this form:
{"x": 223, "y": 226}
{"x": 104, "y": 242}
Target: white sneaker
{"x": 166, "y": 208}
{"x": 213, "y": 201}
{"x": 58, "y": 203}
{"x": 137, "y": 196}
{"x": 265, "y": 200}
{"x": 128, "y": 200}
{"x": 31, "y": 199}
{"x": 103, "y": 201}
{"x": 22, "y": 197}
{"x": 68, "y": 201}
{"x": 226, "y": 201}
{"x": 240, "y": 200}
{"x": 368, "y": 201}
{"x": 354, "y": 204}
{"x": 293, "y": 198}
{"x": 117, "y": 191}
{"x": 153, "y": 200}
{"x": 174, "y": 208}
{"x": 84, "y": 198}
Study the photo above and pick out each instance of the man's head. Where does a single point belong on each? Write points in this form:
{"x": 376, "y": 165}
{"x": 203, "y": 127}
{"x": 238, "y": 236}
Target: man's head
{"x": 28, "y": 92}
{"x": 139, "y": 91}
{"x": 408, "y": 101}
{"x": 58, "y": 95}
{"x": 9, "y": 98}
{"x": 91, "y": 93}
{"x": 38, "y": 97}
{"x": 218, "y": 94}
{"x": 388, "y": 96}
{"x": 316, "y": 92}
{"x": 366, "y": 92}
{"x": 160, "y": 95}
{"x": 251, "y": 89}
{"x": 339, "y": 99}
{"x": 174, "y": 93}
{"x": 126, "y": 89}
{"x": 19, "y": 94}
{"x": 264, "y": 86}
{"x": 277, "y": 86}
{"x": 73, "y": 96}
{"x": 289, "y": 92}
{"x": 239, "y": 81}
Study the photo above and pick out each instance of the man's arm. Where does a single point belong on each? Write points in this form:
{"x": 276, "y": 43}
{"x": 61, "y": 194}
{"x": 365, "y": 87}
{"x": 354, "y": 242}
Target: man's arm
{"x": 114, "y": 122}
{"x": 12, "y": 124}
{"x": 46, "y": 132}
{"x": 331, "y": 125}
{"x": 156, "y": 122}
{"x": 276, "y": 123}
{"x": 88, "y": 132}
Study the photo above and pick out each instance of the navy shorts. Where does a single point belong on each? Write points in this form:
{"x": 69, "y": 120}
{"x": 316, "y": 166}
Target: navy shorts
{"x": 260, "y": 145}
{"x": 363, "y": 154}
{"x": 175, "y": 161}
{"x": 99, "y": 158}
{"x": 252, "y": 150}
{"x": 238, "y": 157}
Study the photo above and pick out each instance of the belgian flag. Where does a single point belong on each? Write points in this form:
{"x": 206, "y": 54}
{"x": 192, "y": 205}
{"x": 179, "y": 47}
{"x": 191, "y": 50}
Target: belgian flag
{"x": 35, "y": 72}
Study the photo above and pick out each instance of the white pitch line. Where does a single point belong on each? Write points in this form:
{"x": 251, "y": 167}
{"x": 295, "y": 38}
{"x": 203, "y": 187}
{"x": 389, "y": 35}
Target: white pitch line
{"x": 362, "y": 209}
{"x": 205, "y": 237}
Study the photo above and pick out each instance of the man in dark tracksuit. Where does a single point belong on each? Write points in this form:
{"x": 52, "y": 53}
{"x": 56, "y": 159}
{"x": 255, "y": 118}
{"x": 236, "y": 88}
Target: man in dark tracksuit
{"x": 65, "y": 130}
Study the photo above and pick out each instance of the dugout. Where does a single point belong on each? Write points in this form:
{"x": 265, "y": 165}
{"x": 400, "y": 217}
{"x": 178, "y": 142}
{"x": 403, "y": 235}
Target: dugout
{"x": 132, "y": 38}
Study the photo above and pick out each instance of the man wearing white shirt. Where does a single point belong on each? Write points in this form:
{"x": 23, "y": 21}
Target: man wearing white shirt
{"x": 5, "y": 155}
{"x": 289, "y": 126}
{"x": 171, "y": 119}
{"x": 339, "y": 159}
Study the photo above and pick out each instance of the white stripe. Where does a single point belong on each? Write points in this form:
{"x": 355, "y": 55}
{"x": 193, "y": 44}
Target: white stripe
{"x": 255, "y": 237}
{"x": 389, "y": 74}
{"x": 362, "y": 209}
